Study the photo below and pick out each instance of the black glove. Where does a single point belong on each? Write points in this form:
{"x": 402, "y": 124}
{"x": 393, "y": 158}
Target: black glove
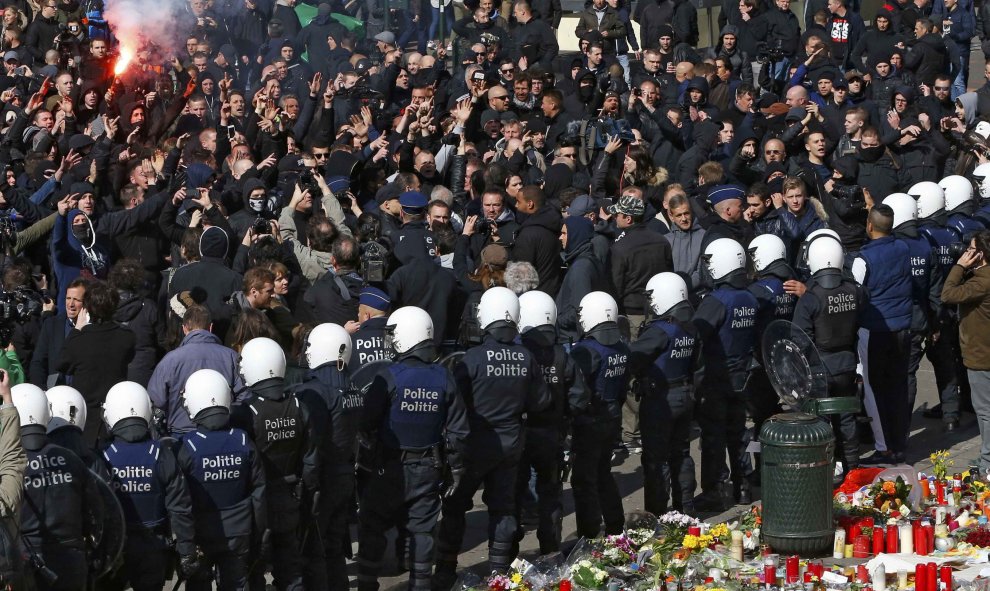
{"x": 455, "y": 480}
{"x": 190, "y": 565}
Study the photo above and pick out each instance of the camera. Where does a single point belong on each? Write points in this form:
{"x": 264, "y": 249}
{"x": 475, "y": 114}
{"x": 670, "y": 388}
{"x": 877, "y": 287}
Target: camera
{"x": 956, "y": 250}
{"x": 478, "y": 76}
{"x": 17, "y": 306}
{"x": 307, "y": 182}
{"x": 261, "y": 226}
{"x": 766, "y": 54}
{"x": 483, "y": 225}
{"x": 853, "y": 193}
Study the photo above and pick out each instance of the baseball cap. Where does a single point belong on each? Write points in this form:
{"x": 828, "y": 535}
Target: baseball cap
{"x": 375, "y": 298}
{"x": 582, "y": 205}
{"x": 11, "y": 56}
{"x": 627, "y": 205}
{"x": 386, "y": 37}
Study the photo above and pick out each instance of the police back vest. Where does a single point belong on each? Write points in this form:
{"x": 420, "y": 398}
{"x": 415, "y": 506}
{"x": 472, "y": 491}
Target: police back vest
{"x": 221, "y": 473}
{"x": 278, "y": 434}
{"x": 921, "y": 265}
{"x": 134, "y": 479}
{"x": 782, "y": 303}
{"x": 369, "y": 343}
{"x": 675, "y": 366}
{"x": 54, "y": 485}
{"x": 609, "y": 382}
{"x": 836, "y": 324}
{"x": 344, "y": 403}
{"x": 737, "y": 333}
{"x": 501, "y": 379}
{"x": 888, "y": 285}
{"x": 553, "y": 363}
{"x": 939, "y": 238}
{"x": 417, "y": 411}
{"x": 964, "y": 226}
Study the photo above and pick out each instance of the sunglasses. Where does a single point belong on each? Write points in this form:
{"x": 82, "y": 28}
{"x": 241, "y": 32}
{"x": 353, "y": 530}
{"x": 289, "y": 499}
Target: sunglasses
{"x": 508, "y": 70}
{"x": 943, "y": 88}
{"x": 771, "y": 152}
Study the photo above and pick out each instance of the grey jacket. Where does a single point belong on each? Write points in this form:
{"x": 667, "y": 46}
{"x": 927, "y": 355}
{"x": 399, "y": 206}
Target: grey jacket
{"x": 686, "y": 247}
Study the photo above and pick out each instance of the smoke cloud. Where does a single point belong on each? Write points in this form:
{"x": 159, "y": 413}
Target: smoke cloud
{"x": 138, "y": 23}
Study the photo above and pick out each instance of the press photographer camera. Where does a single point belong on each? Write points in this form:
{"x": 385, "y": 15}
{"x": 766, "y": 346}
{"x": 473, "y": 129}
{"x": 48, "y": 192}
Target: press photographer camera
{"x": 851, "y": 193}
{"x": 18, "y": 306}
{"x": 765, "y": 53}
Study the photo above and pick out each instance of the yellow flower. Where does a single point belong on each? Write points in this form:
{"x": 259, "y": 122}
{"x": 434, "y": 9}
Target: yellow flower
{"x": 690, "y": 541}
{"x": 719, "y": 531}
{"x": 516, "y": 578}
{"x": 705, "y": 541}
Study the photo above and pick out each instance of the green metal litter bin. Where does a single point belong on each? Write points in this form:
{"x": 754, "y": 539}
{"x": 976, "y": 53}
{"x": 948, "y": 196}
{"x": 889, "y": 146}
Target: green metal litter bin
{"x": 796, "y": 474}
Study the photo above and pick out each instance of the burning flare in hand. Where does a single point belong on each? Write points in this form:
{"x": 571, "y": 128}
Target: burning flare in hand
{"x": 123, "y": 60}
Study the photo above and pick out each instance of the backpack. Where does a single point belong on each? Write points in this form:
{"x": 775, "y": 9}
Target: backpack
{"x": 374, "y": 262}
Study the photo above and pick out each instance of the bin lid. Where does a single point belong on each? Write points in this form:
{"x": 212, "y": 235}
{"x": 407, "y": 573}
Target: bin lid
{"x": 793, "y": 364}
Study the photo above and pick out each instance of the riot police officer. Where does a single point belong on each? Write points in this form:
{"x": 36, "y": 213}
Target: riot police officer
{"x": 547, "y": 429}
{"x": 152, "y": 490}
{"x": 828, "y": 313}
{"x": 226, "y": 484}
{"x": 664, "y": 358}
{"x": 333, "y": 403}
{"x": 369, "y": 340}
{"x": 281, "y": 430}
{"x": 981, "y": 174}
{"x": 958, "y": 192}
{"x": 68, "y": 420}
{"x": 774, "y": 288}
{"x": 414, "y": 421}
{"x": 499, "y": 380}
{"x": 602, "y": 356}
{"x": 726, "y": 322}
{"x": 926, "y": 284}
{"x": 62, "y": 506}
{"x": 415, "y": 237}
{"x": 883, "y": 269}
{"x": 943, "y": 344}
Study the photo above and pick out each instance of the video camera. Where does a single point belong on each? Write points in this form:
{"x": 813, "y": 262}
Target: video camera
{"x": 17, "y": 306}
{"x": 765, "y": 53}
{"x": 852, "y": 193}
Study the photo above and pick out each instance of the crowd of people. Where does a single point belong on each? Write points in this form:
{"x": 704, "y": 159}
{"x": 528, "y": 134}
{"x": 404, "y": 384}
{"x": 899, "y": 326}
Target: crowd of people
{"x": 273, "y": 278}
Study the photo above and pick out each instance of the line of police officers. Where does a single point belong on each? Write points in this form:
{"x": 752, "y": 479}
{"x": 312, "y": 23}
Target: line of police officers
{"x": 270, "y": 481}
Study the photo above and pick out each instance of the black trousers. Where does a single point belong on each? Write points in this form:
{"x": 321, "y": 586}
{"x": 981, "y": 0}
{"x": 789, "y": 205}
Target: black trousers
{"x": 668, "y": 469}
{"x": 596, "y": 495}
{"x": 889, "y": 358}
{"x": 542, "y": 456}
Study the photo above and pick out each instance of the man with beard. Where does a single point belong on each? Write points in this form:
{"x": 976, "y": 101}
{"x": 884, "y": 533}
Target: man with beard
{"x": 739, "y": 62}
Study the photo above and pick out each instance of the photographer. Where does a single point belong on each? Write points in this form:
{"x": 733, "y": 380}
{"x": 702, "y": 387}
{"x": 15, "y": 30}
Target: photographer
{"x": 968, "y": 285}
{"x": 844, "y": 202}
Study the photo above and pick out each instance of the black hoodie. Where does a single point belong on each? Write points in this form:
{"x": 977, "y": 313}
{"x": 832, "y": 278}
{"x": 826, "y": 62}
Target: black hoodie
{"x": 538, "y": 243}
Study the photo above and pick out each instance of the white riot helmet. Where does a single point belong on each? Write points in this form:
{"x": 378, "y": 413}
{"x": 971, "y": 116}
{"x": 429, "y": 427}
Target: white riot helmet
{"x": 498, "y": 304}
{"x": 982, "y": 177}
{"x": 928, "y": 188}
{"x": 407, "y": 327}
{"x": 536, "y": 308}
{"x": 665, "y": 291}
{"x": 957, "y": 190}
{"x": 723, "y": 256}
{"x": 205, "y": 388}
{"x": 824, "y": 232}
{"x": 328, "y": 343}
{"x": 261, "y": 359}
{"x": 904, "y": 206}
{"x": 765, "y": 249}
{"x": 68, "y": 407}
{"x": 31, "y": 404}
{"x": 595, "y": 308}
{"x": 931, "y": 203}
{"x": 124, "y": 401}
{"x": 825, "y": 253}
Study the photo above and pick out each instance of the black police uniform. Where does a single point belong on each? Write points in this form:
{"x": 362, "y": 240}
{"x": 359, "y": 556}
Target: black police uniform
{"x": 884, "y": 270}
{"x": 369, "y": 343}
{"x": 926, "y": 292}
{"x": 415, "y": 239}
{"x": 943, "y": 351}
{"x": 227, "y": 487}
{"x": 499, "y": 380}
{"x": 412, "y": 411}
{"x": 145, "y": 477}
{"x": 62, "y": 509}
{"x": 774, "y": 304}
{"x": 601, "y": 356}
{"x": 333, "y": 403}
{"x": 664, "y": 358}
{"x": 961, "y": 221}
{"x": 71, "y": 438}
{"x": 726, "y": 322}
{"x": 546, "y": 431}
{"x": 282, "y": 432}
{"x": 828, "y": 313}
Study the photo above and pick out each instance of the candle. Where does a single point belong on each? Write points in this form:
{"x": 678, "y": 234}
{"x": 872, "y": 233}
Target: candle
{"x": 816, "y": 568}
{"x": 839, "y": 543}
{"x": 929, "y": 529}
{"x": 565, "y": 584}
{"x": 879, "y": 578}
{"x": 940, "y": 492}
{"x": 770, "y": 574}
{"x": 737, "y": 545}
{"x": 848, "y": 551}
{"x": 919, "y": 541}
{"x": 923, "y": 484}
{"x": 945, "y": 577}
{"x": 877, "y": 547}
{"x": 902, "y": 578}
{"x": 792, "y": 569}
{"x": 891, "y": 545}
{"x": 920, "y": 577}
{"x": 694, "y": 530}
{"x": 861, "y": 547}
{"x": 861, "y": 575}
{"x": 931, "y": 582}
{"x": 906, "y": 538}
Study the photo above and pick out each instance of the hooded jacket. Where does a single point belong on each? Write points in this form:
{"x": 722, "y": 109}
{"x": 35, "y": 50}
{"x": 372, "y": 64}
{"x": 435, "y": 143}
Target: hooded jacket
{"x": 77, "y": 252}
{"x": 585, "y": 274}
{"x": 209, "y": 279}
{"x": 537, "y": 243}
{"x": 140, "y": 316}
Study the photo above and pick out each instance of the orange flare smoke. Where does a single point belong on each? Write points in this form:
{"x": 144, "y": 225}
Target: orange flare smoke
{"x": 123, "y": 60}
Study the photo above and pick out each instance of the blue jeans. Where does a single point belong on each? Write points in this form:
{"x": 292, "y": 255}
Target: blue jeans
{"x": 448, "y": 22}
{"x": 959, "y": 84}
{"x": 409, "y": 28}
{"x": 624, "y": 62}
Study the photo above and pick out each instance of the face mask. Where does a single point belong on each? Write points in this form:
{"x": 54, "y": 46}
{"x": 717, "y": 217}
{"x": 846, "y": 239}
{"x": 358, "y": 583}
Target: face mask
{"x": 871, "y": 154}
{"x": 257, "y": 205}
{"x": 83, "y": 233}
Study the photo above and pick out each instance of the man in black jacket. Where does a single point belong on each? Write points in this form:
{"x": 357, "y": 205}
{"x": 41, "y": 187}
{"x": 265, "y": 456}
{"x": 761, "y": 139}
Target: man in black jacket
{"x": 537, "y": 243}
{"x": 334, "y": 297}
{"x": 532, "y": 38}
{"x": 51, "y": 339}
